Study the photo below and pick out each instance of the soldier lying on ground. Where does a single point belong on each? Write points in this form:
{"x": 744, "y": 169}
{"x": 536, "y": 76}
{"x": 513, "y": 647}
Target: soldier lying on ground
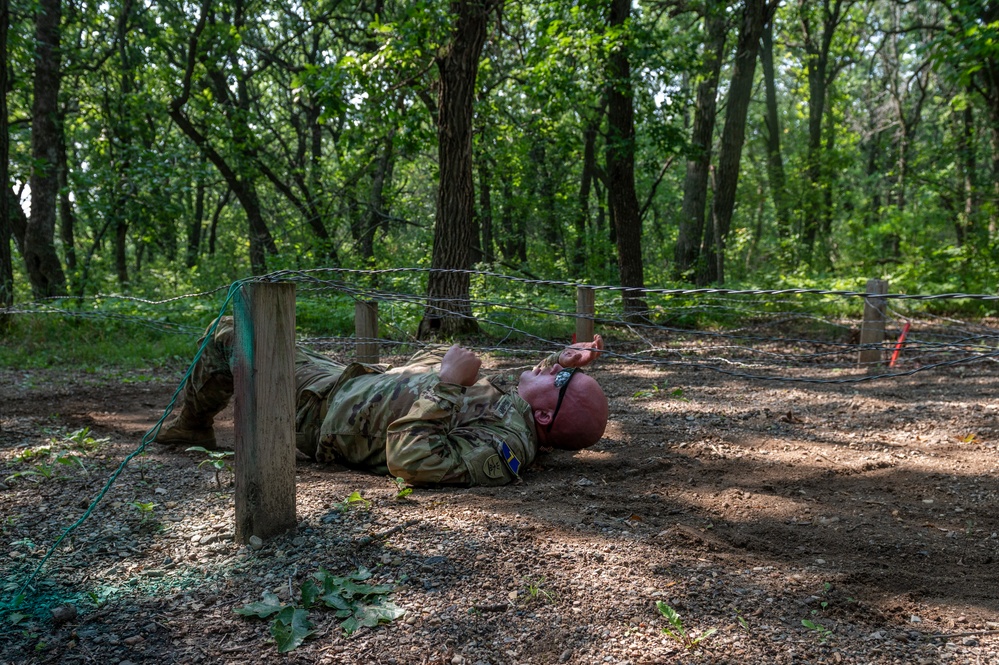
{"x": 430, "y": 421}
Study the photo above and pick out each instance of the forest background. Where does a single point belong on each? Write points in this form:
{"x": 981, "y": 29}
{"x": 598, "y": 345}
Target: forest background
{"x": 161, "y": 147}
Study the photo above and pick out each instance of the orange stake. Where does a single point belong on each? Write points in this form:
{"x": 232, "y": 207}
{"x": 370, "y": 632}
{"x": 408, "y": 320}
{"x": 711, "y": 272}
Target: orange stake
{"x": 899, "y": 343}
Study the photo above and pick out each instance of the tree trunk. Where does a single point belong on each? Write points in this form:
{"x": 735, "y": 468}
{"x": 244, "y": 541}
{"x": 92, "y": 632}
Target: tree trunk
{"x": 820, "y": 77}
{"x": 375, "y": 215}
{"x": 67, "y": 218}
{"x": 964, "y": 222}
{"x": 695, "y": 183}
{"x": 621, "y": 164}
{"x": 586, "y": 177}
{"x": 755, "y": 15}
{"x": 6, "y": 227}
{"x": 485, "y": 211}
{"x": 449, "y": 310}
{"x": 775, "y": 160}
{"x": 40, "y": 257}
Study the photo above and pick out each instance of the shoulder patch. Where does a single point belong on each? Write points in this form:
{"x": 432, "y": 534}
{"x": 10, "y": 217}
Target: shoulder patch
{"x": 493, "y": 467}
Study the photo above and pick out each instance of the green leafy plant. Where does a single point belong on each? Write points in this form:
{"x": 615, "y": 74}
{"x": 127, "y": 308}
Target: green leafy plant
{"x": 68, "y": 459}
{"x": 355, "y": 603}
{"x": 676, "y": 629}
{"x": 354, "y": 500}
{"x": 29, "y": 454}
{"x": 402, "y": 490}
{"x": 537, "y": 592}
{"x": 656, "y": 391}
{"x": 216, "y": 459}
{"x": 145, "y": 509}
{"x": 821, "y": 630}
{"x": 645, "y": 393}
{"x": 82, "y": 439}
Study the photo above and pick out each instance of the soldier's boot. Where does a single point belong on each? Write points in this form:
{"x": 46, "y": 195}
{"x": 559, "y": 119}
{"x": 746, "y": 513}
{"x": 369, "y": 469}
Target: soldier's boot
{"x": 193, "y": 425}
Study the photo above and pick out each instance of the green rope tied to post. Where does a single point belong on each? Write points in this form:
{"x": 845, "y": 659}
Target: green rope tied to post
{"x": 147, "y": 438}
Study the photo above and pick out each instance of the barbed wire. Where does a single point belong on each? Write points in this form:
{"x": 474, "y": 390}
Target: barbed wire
{"x": 936, "y": 342}
{"x": 742, "y": 352}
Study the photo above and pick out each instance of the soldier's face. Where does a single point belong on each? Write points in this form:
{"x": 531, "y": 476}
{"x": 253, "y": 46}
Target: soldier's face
{"x": 537, "y": 387}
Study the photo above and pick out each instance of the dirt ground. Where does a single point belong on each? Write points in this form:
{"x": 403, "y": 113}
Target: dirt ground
{"x": 870, "y": 511}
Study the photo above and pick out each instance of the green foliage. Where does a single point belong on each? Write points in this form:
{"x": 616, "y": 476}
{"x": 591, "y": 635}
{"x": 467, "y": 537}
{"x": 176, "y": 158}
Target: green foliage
{"x": 402, "y": 490}
{"x": 354, "y": 603}
{"x": 656, "y": 391}
{"x": 94, "y": 344}
{"x": 353, "y": 500}
{"x": 676, "y": 629}
{"x": 145, "y": 509}
{"x": 66, "y": 450}
{"x": 819, "y": 629}
{"x": 217, "y": 460}
{"x": 345, "y": 102}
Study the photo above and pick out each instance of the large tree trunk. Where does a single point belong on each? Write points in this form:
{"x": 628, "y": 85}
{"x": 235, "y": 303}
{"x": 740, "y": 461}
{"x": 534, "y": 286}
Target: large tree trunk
{"x": 621, "y": 165}
{"x": 695, "y": 183}
{"x": 755, "y": 15}
{"x": 6, "y": 228}
{"x": 40, "y": 257}
{"x": 775, "y": 160}
{"x": 449, "y": 310}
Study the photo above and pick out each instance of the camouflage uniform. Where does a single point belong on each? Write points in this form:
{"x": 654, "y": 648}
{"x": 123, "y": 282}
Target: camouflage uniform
{"x": 403, "y": 421}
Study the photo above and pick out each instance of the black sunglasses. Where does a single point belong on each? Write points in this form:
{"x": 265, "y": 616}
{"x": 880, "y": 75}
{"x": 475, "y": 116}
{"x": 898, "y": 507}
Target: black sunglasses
{"x": 562, "y": 380}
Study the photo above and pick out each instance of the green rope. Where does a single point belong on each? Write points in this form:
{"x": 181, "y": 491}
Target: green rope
{"x": 147, "y": 438}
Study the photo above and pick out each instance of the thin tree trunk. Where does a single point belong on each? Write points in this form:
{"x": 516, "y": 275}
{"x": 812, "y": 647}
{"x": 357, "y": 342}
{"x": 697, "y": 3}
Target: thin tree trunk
{"x": 40, "y": 258}
{"x": 821, "y": 74}
{"x": 376, "y": 199}
{"x": 67, "y": 218}
{"x": 621, "y": 165}
{"x": 695, "y": 183}
{"x": 585, "y": 186}
{"x": 485, "y": 211}
{"x": 194, "y": 229}
{"x": 6, "y": 228}
{"x": 449, "y": 310}
{"x": 755, "y": 15}
{"x": 775, "y": 160}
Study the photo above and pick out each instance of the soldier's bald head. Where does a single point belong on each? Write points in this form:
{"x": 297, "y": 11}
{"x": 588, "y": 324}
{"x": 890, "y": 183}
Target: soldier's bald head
{"x": 580, "y": 419}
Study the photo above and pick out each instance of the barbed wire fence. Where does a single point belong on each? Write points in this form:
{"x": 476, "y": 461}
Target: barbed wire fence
{"x": 791, "y": 335}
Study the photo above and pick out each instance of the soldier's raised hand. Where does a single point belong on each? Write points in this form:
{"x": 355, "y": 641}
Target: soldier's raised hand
{"x": 460, "y": 366}
{"x": 582, "y": 354}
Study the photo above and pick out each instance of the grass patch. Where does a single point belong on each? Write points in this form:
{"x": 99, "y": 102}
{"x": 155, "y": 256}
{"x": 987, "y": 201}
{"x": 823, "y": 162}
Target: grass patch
{"x": 40, "y": 341}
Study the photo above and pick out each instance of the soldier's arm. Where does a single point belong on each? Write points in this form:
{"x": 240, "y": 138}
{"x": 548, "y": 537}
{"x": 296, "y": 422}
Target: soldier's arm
{"x": 425, "y": 448}
{"x": 580, "y": 354}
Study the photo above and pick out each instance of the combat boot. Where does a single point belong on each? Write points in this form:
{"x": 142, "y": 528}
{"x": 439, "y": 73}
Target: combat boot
{"x": 193, "y": 425}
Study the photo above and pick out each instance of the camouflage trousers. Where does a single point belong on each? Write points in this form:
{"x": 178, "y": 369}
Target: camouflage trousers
{"x": 210, "y": 386}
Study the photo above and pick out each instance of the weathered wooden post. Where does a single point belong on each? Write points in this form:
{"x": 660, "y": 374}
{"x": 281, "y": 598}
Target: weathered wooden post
{"x": 585, "y": 310}
{"x": 872, "y": 332}
{"x": 263, "y": 370}
{"x": 366, "y": 331}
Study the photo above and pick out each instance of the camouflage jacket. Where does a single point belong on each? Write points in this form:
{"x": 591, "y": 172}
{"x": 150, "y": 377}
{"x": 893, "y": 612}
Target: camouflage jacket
{"x": 405, "y": 422}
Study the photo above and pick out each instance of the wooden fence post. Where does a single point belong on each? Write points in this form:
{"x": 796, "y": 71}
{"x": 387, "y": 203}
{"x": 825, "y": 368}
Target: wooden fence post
{"x": 366, "y": 331}
{"x": 585, "y": 309}
{"x": 263, "y": 370}
{"x": 872, "y": 332}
